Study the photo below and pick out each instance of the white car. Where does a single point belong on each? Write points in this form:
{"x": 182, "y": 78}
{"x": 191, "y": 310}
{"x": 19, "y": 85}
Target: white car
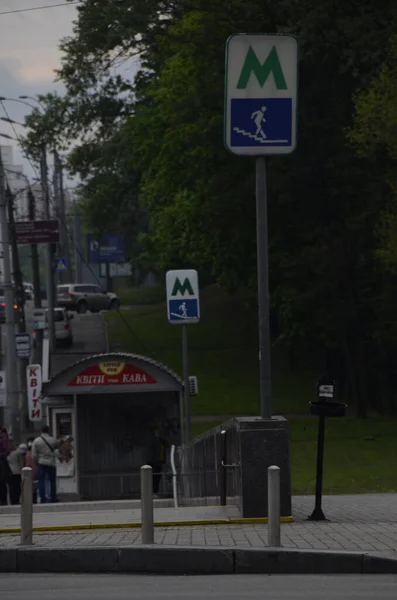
{"x": 29, "y": 290}
{"x": 63, "y": 330}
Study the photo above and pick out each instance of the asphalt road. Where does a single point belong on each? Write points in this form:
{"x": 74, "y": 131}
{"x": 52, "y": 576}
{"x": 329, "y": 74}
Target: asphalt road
{"x": 235, "y": 587}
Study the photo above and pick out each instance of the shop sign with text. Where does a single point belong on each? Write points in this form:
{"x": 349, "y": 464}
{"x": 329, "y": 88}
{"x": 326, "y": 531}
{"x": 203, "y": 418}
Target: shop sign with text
{"x": 112, "y": 373}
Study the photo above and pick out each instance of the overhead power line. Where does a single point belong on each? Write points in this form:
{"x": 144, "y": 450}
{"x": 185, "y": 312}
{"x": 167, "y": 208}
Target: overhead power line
{"x": 22, "y": 10}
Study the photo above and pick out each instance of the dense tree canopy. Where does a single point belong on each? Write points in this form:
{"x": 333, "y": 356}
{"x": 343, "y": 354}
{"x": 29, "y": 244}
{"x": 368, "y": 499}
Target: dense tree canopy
{"x": 144, "y": 101}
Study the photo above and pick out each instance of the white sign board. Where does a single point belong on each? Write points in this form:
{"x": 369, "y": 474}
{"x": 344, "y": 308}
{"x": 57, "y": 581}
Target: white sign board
{"x": 2, "y": 388}
{"x": 183, "y": 302}
{"x": 116, "y": 270}
{"x": 39, "y": 318}
{"x": 261, "y": 94}
{"x": 23, "y": 345}
{"x": 34, "y": 384}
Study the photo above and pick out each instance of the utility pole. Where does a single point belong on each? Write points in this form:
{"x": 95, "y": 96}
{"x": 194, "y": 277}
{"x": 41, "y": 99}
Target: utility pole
{"x": 34, "y": 254}
{"x": 16, "y": 267}
{"x": 12, "y": 417}
{"x": 38, "y": 350}
{"x": 65, "y": 276}
{"x": 49, "y": 253}
{"x": 78, "y": 271}
{"x": 20, "y": 303}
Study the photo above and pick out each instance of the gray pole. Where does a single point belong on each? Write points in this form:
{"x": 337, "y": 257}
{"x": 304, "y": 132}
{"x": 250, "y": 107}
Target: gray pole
{"x": 26, "y": 507}
{"x": 78, "y": 276}
{"x": 49, "y": 257}
{"x": 147, "y": 504}
{"x": 55, "y": 186}
{"x": 64, "y": 225}
{"x": 263, "y": 288}
{"x": 273, "y": 510}
{"x": 11, "y": 413}
{"x": 185, "y": 354}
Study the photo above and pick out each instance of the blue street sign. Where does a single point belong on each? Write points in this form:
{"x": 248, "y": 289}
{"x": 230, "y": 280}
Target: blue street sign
{"x": 110, "y": 248}
{"x": 261, "y": 94}
{"x": 23, "y": 345}
{"x": 183, "y": 310}
{"x": 261, "y": 122}
{"x": 62, "y": 264}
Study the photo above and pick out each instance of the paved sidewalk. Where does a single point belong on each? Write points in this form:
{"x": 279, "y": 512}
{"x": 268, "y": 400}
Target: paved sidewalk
{"x": 120, "y": 516}
{"x": 365, "y": 522}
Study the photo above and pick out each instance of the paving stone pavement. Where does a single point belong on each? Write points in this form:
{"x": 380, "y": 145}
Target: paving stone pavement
{"x": 365, "y": 522}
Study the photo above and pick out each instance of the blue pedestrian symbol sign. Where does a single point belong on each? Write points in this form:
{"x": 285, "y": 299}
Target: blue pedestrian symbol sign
{"x": 261, "y": 122}
{"x": 261, "y": 94}
{"x": 62, "y": 264}
{"x": 183, "y": 304}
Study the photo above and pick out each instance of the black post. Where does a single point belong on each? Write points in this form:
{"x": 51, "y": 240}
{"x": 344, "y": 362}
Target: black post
{"x": 109, "y": 280}
{"x": 223, "y": 475}
{"x": 317, "y": 514}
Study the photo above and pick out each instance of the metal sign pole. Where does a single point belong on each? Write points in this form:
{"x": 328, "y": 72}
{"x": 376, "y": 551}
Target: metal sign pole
{"x": 263, "y": 288}
{"x": 185, "y": 354}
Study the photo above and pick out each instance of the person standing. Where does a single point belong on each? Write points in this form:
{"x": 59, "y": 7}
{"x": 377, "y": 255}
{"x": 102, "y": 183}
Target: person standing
{"x": 5, "y": 472}
{"x": 157, "y": 458}
{"x": 43, "y": 452}
{"x": 16, "y": 461}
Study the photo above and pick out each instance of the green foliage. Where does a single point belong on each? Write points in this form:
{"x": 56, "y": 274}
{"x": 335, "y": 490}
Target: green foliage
{"x": 144, "y": 100}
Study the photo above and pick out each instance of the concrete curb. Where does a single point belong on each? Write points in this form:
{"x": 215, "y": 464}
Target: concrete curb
{"x": 179, "y": 560}
{"x": 137, "y": 524}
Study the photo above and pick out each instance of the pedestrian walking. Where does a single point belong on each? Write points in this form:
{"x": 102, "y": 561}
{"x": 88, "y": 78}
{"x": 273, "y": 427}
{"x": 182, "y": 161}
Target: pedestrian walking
{"x": 16, "y": 461}
{"x": 5, "y": 471}
{"x": 44, "y": 453}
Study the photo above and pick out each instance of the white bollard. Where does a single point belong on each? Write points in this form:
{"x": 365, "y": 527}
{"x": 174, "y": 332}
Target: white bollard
{"x": 26, "y": 507}
{"x": 147, "y": 505}
{"x": 273, "y": 500}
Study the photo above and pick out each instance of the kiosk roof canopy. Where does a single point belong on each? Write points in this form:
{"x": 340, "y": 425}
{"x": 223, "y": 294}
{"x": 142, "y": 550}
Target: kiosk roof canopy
{"x": 113, "y": 373}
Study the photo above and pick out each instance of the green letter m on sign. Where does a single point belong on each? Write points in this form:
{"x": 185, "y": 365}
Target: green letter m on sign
{"x": 186, "y": 286}
{"x": 262, "y": 72}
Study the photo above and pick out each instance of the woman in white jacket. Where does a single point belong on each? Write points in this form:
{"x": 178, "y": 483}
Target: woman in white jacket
{"x": 43, "y": 452}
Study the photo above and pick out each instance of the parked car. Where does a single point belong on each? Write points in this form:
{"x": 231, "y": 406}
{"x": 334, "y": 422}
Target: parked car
{"x": 63, "y": 330}
{"x": 82, "y": 297}
{"x": 18, "y": 312}
{"x": 29, "y": 291}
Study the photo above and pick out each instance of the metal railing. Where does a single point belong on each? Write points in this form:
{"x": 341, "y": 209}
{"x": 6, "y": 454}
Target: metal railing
{"x": 209, "y": 469}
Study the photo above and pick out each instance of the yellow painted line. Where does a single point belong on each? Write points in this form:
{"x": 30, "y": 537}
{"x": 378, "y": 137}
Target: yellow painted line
{"x": 136, "y": 525}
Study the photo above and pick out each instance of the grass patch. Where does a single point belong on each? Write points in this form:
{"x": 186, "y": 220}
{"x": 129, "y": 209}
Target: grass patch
{"x": 223, "y": 355}
{"x": 130, "y": 296}
{"x": 359, "y": 455}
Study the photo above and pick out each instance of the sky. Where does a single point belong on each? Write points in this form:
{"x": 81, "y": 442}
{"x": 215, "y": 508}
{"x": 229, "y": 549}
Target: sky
{"x": 28, "y": 56}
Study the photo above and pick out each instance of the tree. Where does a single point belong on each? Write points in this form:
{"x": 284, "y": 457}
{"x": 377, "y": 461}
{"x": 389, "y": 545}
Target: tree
{"x": 161, "y": 136}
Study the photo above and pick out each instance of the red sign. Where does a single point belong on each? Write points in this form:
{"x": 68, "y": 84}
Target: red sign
{"x": 111, "y": 373}
{"x": 34, "y": 381}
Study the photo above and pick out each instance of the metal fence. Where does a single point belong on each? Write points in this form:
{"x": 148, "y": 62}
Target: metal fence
{"x": 209, "y": 468}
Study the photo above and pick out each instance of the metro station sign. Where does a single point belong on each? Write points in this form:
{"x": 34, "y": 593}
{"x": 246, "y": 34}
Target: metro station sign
{"x": 111, "y": 373}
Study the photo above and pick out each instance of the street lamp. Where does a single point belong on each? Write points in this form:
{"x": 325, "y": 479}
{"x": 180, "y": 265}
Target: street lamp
{"x": 4, "y": 99}
{"x": 8, "y": 120}
{"x": 8, "y": 137}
